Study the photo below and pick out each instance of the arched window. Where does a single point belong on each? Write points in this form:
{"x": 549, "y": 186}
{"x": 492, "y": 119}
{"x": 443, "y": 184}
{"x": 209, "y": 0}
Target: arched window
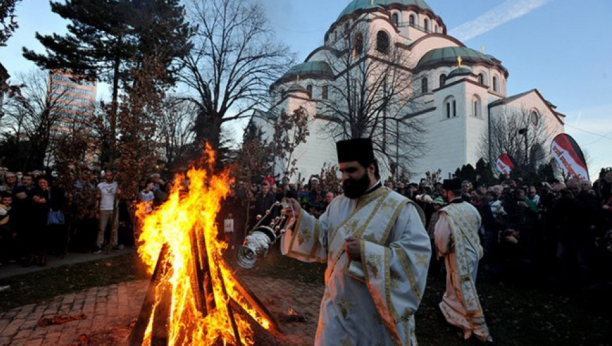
{"x": 324, "y": 92}
{"x": 495, "y": 84}
{"x": 534, "y": 118}
{"x": 382, "y": 42}
{"x": 450, "y": 106}
{"x": 411, "y": 20}
{"x": 358, "y": 45}
{"x": 436, "y": 30}
{"x": 346, "y": 27}
{"x": 424, "y": 85}
{"x": 426, "y": 25}
{"x": 481, "y": 78}
{"x": 309, "y": 90}
{"x": 476, "y": 106}
{"x": 395, "y": 19}
{"x": 442, "y": 80}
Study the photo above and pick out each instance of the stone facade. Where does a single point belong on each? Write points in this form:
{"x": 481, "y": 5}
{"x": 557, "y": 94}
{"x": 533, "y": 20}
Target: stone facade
{"x": 454, "y": 98}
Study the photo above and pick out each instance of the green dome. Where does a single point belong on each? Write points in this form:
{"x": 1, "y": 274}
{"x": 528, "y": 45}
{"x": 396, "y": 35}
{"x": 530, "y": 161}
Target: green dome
{"x": 450, "y": 54}
{"x": 460, "y": 71}
{"x": 310, "y": 69}
{"x": 360, "y": 5}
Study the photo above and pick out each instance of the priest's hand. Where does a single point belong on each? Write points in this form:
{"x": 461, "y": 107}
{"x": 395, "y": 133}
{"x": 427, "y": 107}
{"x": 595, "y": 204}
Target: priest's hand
{"x": 352, "y": 248}
{"x": 291, "y": 207}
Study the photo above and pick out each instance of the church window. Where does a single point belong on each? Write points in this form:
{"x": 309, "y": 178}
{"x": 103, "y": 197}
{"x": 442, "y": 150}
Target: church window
{"x": 426, "y": 25}
{"x": 382, "y": 42}
{"x": 442, "y": 80}
{"x": 411, "y": 20}
{"x": 495, "y": 84}
{"x": 436, "y": 30}
{"x": 358, "y": 48}
{"x": 346, "y": 27}
{"x": 451, "y": 107}
{"x": 423, "y": 85}
{"x": 534, "y": 118}
{"x": 476, "y": 106}
{"x": 324, "y": 92}
{"x": 309, "y": 90}
{"x": 395, "y": 19}
{"x": 481, "y": 78}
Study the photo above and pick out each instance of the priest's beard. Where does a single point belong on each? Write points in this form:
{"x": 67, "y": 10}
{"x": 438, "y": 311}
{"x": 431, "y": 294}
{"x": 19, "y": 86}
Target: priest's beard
{"x": 354, "y": 188}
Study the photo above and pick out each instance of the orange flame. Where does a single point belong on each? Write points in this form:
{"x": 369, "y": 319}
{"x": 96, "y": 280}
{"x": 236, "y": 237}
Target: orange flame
{"x": 184, "y": 222}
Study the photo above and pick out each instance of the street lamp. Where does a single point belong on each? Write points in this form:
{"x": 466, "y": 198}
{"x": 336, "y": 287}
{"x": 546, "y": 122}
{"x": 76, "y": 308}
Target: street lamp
{"x": 523, "y": 132}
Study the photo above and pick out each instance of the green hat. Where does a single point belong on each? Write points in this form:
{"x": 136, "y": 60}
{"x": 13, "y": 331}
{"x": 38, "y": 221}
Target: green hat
{"x": 438, "y": 200}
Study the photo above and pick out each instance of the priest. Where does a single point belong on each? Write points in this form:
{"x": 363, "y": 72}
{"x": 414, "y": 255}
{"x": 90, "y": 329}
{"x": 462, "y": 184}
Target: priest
{"x": 457, "y": 241}
{"x": 377, "y": 253}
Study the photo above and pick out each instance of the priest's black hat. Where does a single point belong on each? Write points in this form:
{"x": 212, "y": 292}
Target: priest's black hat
{"x": 451, "y": 184}
{"x": 358, "y": 149}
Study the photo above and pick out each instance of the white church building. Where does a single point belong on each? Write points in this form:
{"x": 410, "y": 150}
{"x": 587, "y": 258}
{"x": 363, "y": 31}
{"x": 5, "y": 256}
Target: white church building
{"x": 454, "y": 91}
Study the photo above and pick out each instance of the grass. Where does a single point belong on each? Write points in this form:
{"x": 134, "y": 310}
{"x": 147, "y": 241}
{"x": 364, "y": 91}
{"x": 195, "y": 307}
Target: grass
{"x": 518, "y": 312}
{"x": 43, "y": 285}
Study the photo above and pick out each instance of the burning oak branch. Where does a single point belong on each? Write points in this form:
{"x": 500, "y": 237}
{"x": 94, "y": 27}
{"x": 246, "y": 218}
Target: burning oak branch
{"x": 193, "y": 297}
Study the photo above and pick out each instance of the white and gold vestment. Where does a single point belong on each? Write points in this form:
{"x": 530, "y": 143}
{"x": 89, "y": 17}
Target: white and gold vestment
{"x": 456, "y": 237}
{"x": 371, "y": 302}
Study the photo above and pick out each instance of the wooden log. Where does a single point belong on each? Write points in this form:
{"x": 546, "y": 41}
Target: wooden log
{"x": 230, "y": 310}
{"x": 197, "y": 277}
{"x": 254, "y": 302}
{"x": 138, "y": 333}
{"x": 161, "y": 316}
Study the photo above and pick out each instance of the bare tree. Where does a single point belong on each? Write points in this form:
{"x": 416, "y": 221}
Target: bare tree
{"x": 519, "y": 133}
{"x": 37, "y": 116}
{"x": 175, "y": 131}
{"x": 290, "y": 130}
{"x": 234, "y": 60}
{"x": 372, "y": 97}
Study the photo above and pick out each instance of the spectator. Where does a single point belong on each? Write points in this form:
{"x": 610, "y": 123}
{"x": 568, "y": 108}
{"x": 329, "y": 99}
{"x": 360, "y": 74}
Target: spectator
{"x": 10, "y": 182}
{"x": 20, "y": 215}
{"x": 41, "y": 198}
{"x": 315, "y": 198}
{"x": 263, "y": 202}
{"x": 7, "y": 236}
{"x": 108, "y": 198}
{"x": 146, "y": 196}
{"x": 329, "y": 197}
{"x": 533, "y": 195}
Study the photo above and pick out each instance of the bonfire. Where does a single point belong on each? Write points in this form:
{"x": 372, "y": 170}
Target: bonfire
{"x": 194, "y": 298}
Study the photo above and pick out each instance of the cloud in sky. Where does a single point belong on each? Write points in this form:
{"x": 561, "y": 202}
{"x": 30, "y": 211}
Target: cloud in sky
{"x": 507, "y": 11}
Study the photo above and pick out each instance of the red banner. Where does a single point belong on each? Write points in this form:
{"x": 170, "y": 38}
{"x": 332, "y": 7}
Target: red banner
{"x": 504, "y": 164}
{"x": 567, "y": 152}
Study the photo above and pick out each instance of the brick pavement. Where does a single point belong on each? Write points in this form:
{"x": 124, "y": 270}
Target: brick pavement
{"x": 110, "y": 311}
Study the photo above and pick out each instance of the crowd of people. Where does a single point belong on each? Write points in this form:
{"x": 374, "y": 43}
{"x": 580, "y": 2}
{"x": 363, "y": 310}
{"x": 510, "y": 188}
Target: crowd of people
{"x": 39, "y": 216}
{"x": 561, "y": 230}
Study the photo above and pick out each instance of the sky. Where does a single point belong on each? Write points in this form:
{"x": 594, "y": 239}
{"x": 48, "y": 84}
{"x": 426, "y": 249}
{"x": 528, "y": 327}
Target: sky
{"x": 561, "y": 47}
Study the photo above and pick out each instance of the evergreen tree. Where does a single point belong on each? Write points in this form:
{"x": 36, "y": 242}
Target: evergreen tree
{"x": 484, "y": 172}
{"x": 8, "y": 25}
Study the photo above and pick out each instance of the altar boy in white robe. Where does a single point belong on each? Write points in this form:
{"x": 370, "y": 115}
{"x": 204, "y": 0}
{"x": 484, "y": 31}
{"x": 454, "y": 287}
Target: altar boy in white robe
{"x": 456, "y": 238}
{"x": 377, "y": 253}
